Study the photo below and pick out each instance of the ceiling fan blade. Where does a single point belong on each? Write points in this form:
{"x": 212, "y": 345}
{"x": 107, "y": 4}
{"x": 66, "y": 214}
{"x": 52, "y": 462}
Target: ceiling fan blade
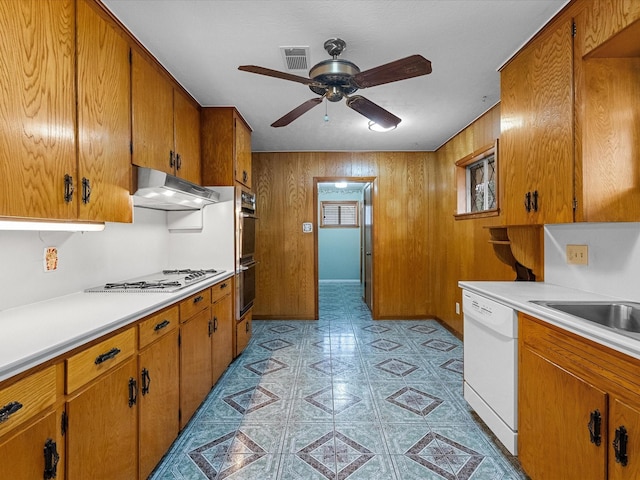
{"x": 296, "y": 112}
{"x": 276, "y": 74}
{"x": 372, "y": 111}
{"x": 413, "y": 66}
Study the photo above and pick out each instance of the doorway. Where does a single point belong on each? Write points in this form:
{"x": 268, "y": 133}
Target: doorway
{"x": 344, "y": 235}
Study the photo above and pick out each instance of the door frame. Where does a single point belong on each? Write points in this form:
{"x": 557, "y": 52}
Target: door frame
{"x": 374, "y": 194}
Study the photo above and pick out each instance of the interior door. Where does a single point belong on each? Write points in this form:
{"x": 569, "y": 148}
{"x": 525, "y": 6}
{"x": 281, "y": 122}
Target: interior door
{"x": 368, "y": 246}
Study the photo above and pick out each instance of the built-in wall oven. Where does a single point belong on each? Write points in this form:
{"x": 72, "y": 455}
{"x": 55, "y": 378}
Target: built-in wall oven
{"x": 246, "y": 263}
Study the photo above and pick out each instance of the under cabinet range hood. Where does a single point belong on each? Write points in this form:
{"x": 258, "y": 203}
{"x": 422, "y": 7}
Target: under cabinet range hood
{"x": 161, "y": 191}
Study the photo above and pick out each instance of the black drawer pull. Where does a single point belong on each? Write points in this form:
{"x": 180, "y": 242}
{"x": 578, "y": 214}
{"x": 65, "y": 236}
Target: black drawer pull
{"x": 594, "y": 425}
{"x": 107, "y": 356}
{"x": 161, "y": 325}
{"x": 8, "y": 410}
{"x": 198, "y": 299}
{"x": 224, "y": 285}
{"x": 620, "y": 446}
{"x": 51, "y": 459}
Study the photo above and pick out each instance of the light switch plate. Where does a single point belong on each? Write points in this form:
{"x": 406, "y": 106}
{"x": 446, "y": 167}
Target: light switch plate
{"x": 578, "y": 254}
{"x": 307, "y": 227}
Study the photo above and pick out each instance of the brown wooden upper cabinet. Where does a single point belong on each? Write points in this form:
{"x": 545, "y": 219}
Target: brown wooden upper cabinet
{"x": 104, "y": 125}
{"x": 42, "y": 177}
{"x": 536, "y": 140}
{"x": 226, "y": 147}
{"x": 569, "y": 133}
{"x": 37, "y": 142}
{"x": 166, "y": 124}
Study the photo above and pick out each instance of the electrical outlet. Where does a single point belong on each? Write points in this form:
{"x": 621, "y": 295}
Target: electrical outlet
{"x": 457, "y": 308}
{"x": 577, "y": 254}
{"x": 50, "y": 259}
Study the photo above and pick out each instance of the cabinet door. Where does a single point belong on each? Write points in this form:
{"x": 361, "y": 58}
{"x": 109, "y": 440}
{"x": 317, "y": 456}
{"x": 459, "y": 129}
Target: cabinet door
{"x": 21, "y": 456}
{"x": 195, "y": 363}
{"x": 243, "y": 332}
{"x": 627, "y": 417}
{"x": 152, "y": 114}
{"x": 159, "y": 400}
{"x": 187, "y": 138}
{"x": 37, "y": 107}
{"x": 222, "y": 337}
{"x": 104, "y": 119}
{"x": 242, "y": 148}
{"x": 554, "y": 412}
{"x": 536, "y": 141}
{"x": 102, "y": 430}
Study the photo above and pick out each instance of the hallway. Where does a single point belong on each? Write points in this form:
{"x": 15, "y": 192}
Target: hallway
{"x": 341, "y": 397}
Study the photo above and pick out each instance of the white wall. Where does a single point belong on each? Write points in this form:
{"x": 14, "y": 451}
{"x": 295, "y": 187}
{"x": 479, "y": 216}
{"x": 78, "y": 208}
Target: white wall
{"x": 120, "y": 252}
{"x": 614, "y": 258}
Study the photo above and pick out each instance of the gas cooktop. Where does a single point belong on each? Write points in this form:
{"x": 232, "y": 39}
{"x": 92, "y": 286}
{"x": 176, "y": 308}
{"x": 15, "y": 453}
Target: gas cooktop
{"x": 167, "y": 281}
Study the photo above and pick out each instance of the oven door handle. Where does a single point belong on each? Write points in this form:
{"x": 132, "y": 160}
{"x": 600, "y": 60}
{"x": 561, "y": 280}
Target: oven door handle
{"x": 244, "y": 268}
{"x": 249, "y": 215}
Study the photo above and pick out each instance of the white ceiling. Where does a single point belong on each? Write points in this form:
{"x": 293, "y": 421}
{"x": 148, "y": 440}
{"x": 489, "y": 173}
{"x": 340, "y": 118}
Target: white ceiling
{"x": 202, "y": 43}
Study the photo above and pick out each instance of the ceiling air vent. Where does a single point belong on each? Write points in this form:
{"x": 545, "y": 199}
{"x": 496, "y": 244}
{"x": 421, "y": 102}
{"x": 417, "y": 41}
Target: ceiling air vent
{"x": 295, "y": 58}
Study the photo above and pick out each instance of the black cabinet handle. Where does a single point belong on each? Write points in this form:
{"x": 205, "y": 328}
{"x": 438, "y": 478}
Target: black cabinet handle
{"x": 210, "y": 327}
{"x": 224, "y": 285}
{"x": 534, "y": 203}
{"x": 527, "y": 201}
{"x": 178, "y": 161}
{"x": 8, "y": 410}
{"x": 51, "y": 459}
{"x": 86, "y": 190}
{"x": 106, "y": 356}
{"x": 172, "y": 159}
{"x": 161, "y": 325}
{"x": 146, "y": 381}
{"x": 133, "y": 392}
{"x": 68, "y": 188}
{"x": 245, "y": 176}
{"x": 595, "y": 425}
{"x": 215, "y": 324}
{"x": 620, "y": 445}
{"x": 247, "y": 327}
{"x": 198, "y": 299}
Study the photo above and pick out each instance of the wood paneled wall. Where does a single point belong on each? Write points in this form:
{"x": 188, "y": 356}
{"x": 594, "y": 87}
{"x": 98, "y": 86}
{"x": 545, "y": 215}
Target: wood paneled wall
{"x": 462, "y": 248}
{"x": 420, "y": 251}
{"x": 286, "y": 274}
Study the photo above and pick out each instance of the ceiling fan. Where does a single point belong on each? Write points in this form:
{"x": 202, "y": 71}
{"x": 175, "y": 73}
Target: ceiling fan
{"x": 336, "y": 78}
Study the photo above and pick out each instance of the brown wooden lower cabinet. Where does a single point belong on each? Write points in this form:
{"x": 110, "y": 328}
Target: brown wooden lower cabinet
{"x": 243, "y": 332}
{"x": 102, "y": 430}
{"x": 579, "y": 407}
{"x": 195, "y": 363}
{"x": 21, "y": 455}
{"x": 159, "y": 400}
{"x": 222, "y": 336}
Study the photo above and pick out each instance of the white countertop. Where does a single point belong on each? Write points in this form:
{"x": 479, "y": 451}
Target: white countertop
{"x": 519, "y": 295}
{"x": 34, "y": 333}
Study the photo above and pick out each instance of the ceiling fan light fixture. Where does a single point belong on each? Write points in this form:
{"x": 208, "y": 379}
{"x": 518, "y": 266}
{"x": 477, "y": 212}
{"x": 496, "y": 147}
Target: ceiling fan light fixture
{"x": 374, "y": 127}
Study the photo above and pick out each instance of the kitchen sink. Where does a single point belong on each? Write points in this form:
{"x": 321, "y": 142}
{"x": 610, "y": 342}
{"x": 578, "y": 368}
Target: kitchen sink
{"x": 621, "y": 316}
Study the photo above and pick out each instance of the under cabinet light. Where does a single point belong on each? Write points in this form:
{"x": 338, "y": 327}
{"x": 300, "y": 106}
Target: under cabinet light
{"x": 50, "y": 226}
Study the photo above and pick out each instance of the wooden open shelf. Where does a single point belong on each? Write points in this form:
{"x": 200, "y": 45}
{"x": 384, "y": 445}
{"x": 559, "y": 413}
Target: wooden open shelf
{"x": 523, "y": 244}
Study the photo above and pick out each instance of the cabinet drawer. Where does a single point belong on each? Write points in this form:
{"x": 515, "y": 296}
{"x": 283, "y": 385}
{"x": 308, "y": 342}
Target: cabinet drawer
{"x": 88, "y": 364}
{"x": 221, "y": 289}
{"x": 194, "y": 304}
{"x": 26, "y": 398}
{"x": 157, "y": 325}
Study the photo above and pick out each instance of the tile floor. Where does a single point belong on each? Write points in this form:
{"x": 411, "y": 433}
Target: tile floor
{"x": 341, "y": 397}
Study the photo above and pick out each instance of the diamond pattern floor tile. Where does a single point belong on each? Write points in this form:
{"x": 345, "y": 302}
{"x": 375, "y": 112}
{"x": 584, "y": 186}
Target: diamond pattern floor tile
{"x": 343, "y": 397}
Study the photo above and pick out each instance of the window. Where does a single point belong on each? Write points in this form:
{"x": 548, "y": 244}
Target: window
{"x": 477, "y": 180}
{"x": 337, "y": 214}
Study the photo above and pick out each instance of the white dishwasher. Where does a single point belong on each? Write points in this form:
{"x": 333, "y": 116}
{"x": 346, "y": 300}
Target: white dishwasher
{"x": 491, "y": 365}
